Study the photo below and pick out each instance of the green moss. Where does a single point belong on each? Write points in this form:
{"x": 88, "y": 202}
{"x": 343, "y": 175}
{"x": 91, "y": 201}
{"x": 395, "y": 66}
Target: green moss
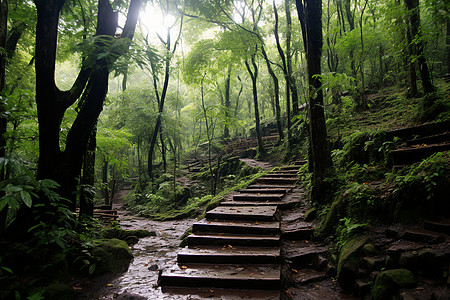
{"x": 310, "y": 214}
{"x": 331, "y": 220}
{"x": 121, "y": 234}
{"x": 388, "y": 282}
{"x": 112, "y": 255}
{"x": 349, "y": 259}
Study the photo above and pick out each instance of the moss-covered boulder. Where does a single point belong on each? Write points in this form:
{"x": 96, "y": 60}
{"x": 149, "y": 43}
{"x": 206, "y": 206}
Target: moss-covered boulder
{"x": 348, "y": 261}
{"x": 58, "y": 291}
{"x": 387, "y": 283}
{"x": 310, "y": 214}
{"x": 331, "y": 221}
{"x": 111, "y": 255}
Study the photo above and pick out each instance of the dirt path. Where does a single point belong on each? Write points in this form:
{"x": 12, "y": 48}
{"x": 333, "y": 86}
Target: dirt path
{"x": 150, "y": 255}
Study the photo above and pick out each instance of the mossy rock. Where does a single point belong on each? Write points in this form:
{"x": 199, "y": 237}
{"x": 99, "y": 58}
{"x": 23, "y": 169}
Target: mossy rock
{"x": 389, "y": 282}
{"x": 349, "y": 261}
{"x": 331, "y": 221}
{"x": 112, "y": 256}
{"x": 310, "y": 214}
{"x": 121, "y": 234}
{"x": 58, "y": 291}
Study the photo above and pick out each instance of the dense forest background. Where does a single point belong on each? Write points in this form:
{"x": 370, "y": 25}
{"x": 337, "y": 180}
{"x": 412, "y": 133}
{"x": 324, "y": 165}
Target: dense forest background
{"x": 94, "y": 93}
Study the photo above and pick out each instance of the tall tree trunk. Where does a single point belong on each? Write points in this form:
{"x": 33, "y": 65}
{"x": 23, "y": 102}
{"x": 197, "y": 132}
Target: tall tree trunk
{"x": 292, "y": 85}
{"x": 448, "y": 47}
{"x": 361, "y": 63}
{"x": 105, "y": 182}
{"x": 412, "y": 77}
{"x": 254, "y": 76}
{"x": 88, "y": 178}
{"x": 226, "y": 129}
{"x": 276, "y": 87}
{"x": 285, "y": 73}
{"x": 414, "y": 23}
{"x": 320, "y": 152}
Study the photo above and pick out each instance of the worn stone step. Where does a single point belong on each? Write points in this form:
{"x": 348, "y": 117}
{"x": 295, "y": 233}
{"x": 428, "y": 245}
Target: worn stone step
{"x": 420, "y": 130}
{"x": 264, "y": 191}
{"x": 411, "y": 155}
{"x": 252, "y": 203}
{"x": 242, "y": 227}
{"x": 300, "y": 254}
{"x": 271, "y": 186}
{"x": 280, "y": 175}
{"x": 431, "y": 139}
{"x": 298, "y": 231}
{"x": 229, "y": 255}
{"x": 293, "y": 167}
{"x": 423, "y": 236}
{"x": 220, "y": 293}
{"x": 263, "y": 277}
{"x": 306, "y": 276}
{"x": 234, "y": 240}
{"x": 248, "y": 213}
{"x": 276, "y": 180}
{"x": 257, "y": 197}
{"x": 442, "y": 226}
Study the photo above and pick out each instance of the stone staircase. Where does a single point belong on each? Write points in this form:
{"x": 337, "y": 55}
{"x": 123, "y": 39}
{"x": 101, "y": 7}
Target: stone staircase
{"x": 418, "y": 142}
{"x": 237, "y": 245}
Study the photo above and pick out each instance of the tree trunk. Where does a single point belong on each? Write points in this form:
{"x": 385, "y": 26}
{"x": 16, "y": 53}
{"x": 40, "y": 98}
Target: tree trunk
{"x": 414, "y": 23}
{"x": 448, "y": 47}
{"x": 412, "y": 77}
{"x": 226, "y": 129}
{"x": 254, "y": 76}
{"x": 88, "y": 178}
{"x": 105, "y": 182}
{"x": 276, "y": 86}
{"x": 291, "y": 80}
{"x": 320, "y": 152}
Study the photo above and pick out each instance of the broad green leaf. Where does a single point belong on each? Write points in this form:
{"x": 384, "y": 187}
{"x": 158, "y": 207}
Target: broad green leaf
{"x": 26, "y": 198}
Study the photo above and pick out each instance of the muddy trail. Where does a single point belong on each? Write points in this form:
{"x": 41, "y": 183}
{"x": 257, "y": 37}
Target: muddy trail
{"x": 150, "y": 254}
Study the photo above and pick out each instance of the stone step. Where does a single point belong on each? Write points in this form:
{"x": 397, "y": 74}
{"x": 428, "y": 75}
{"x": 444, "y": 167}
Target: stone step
{"x": 252, "y": 203}
{"x": 298, "y": 231}
{"x": 406, "y": 156}
{"x": 300, "y": 254}
{"x": 431, "y": 139}
{"x": 229, "y": 255}
{"x": 280, "y": 175}
{"x": 234, "y": 240}
{"x": 271, "y": 186}
{"x": 306, "y": 276}
{"x": 263, "y": 277}
{"x": 264, "y": 191}
{"x": 276, "y": 180}
{"x": 442, "y": 226}
{"x": 241, "y": 227}
{"x": 248, "y": 213}
{"x": 219, "y": 293}
{"x": 257, "y": 197}
{"x": 423, "y": 236}
{"x": 420, "y": 130}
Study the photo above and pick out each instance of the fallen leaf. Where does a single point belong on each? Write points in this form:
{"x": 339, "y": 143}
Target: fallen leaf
{"x": 306, "y": 241}
{"x": 294, "y": 270}
{"x": 109, "y": 284}
{"x": 239, "y": 269}
{"x": 251, "y": 274}
{"x": 145, "y": 265}
{"x": 184, "y": 267}
{"x": 212, "y": 291}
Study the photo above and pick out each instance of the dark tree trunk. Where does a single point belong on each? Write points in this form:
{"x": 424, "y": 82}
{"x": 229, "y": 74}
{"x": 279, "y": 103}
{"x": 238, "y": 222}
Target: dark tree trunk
{"x": 412, "y": 77}
{"x": 414, "y": 24}
{"x": 105, "y": 182}
{"x": 88, "y": 178}
{"x": 291, "y": 80}
{"x": 448, "y": 47}
{"x": 254, "y": 77}
{"x": 226, "y": 129}
{"x": 320, "y": 152}
{"x": 285, "y": 73}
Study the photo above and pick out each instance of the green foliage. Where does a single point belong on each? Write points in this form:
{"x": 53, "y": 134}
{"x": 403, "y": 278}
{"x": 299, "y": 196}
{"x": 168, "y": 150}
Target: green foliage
{"x": 346, "y": 230}
{"x": 422, "y": 187}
